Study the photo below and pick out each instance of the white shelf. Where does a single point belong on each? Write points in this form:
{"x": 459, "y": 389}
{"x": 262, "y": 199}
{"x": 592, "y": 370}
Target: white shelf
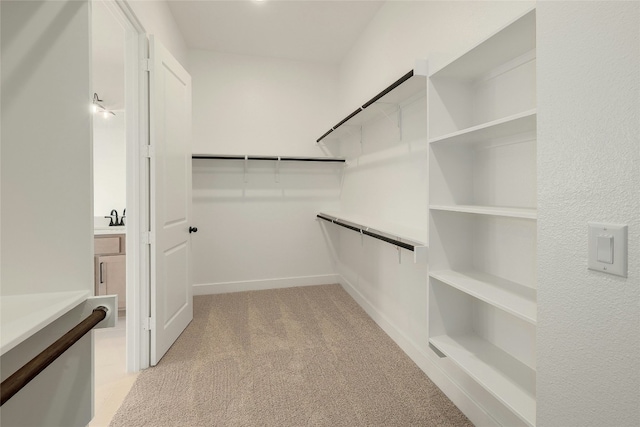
{"x": 511, "y": 41}
{"x": 24, "y": 315}
{"x": 524, "y": 213}
{"x": 506, "y": 295}
{"x": 507, "y": 126}
{"x": 411, "y": 234}
{"x": 507, "y": 379}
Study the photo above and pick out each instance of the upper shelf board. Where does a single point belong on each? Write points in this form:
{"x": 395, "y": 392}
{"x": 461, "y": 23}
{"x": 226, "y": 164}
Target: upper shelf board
{"x": 516, "y": 124}
{"x": 403, "y": 89}
{"x": 509, "y": 42}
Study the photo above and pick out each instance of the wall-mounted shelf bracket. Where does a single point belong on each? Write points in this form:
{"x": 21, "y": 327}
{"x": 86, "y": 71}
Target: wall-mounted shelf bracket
{"x": 246, "y": 166}
{"x": 398, "y": 111}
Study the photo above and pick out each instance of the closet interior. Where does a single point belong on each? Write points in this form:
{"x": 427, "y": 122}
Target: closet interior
{"x": 424, "y": 202}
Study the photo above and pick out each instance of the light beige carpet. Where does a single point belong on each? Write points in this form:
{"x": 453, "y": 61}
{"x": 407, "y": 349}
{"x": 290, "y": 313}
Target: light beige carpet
{"x": 307, "y": 356}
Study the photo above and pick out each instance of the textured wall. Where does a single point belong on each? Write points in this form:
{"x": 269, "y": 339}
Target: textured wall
{"x": 588, "y": 170}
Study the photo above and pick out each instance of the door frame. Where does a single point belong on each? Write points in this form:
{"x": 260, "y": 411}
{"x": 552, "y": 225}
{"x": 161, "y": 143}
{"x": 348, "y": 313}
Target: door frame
{"x": 138, "y": 185}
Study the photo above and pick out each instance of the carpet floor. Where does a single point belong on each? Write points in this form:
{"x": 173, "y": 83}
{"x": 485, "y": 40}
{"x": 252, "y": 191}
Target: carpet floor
{"x": 307, "y": 356}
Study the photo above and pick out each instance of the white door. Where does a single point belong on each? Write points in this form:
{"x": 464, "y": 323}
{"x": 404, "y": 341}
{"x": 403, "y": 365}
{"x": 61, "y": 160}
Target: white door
{"x": 170, "y": 136}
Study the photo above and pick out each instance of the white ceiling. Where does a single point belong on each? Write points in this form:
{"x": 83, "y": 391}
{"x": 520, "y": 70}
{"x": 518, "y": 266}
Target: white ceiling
{"x": 320, "y": 31}
{"x": 308, "y": 30}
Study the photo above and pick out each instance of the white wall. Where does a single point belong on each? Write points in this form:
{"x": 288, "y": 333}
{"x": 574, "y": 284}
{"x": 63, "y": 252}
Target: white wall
{"x": 109, "y": 164}
{"x": 589, "y": 170}
{"x": 46, "y": 150}
{"x": 47, "y": 229}
{"x": 156, "y": 18}
{"x": 260, "y": 233}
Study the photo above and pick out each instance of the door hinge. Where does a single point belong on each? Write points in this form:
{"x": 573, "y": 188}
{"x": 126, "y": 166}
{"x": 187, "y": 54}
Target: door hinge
{"x": 146, "y": 324}
{"x": 148, "y": 151}
{"x": 148, "y": 238}
{"x": 146, "y": 64}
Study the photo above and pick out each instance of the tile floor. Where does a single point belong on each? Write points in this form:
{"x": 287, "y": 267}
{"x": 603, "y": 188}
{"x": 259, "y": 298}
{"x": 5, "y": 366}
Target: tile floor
{"x": 112, "y": 382}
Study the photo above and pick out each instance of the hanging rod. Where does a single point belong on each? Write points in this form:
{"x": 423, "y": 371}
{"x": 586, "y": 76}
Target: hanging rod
{"x": 24, "y": 375}
{"x": 369, "y": 103}
{"x": 284, "y": 159}
{"x": 364, "y": 231}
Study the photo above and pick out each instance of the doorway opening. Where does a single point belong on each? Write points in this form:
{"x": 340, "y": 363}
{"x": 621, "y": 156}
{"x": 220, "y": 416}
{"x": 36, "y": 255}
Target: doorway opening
{"x": 120, "y": 198}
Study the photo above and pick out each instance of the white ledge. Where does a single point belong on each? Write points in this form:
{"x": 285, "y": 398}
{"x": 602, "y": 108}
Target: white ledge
{"x": 23, "y": 316}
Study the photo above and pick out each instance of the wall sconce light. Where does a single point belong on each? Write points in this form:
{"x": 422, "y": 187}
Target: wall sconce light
{"x": 97, "y": 107}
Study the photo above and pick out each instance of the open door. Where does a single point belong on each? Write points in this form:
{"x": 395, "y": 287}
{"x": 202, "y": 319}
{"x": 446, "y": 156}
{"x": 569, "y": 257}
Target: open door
{"x": 170, "y": 207}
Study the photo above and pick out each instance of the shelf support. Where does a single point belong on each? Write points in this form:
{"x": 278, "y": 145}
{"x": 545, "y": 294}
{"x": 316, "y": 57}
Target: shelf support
{"x": 246, "y": 166}
{"x": 398, "y": 122}
{"x": 278, "y": 170}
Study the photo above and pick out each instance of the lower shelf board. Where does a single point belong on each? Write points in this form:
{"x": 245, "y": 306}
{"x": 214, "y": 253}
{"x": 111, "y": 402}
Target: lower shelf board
{"x": 507, "y": 379}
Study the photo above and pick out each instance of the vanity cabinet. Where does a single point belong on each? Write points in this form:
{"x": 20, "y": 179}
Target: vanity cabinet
{"x": 110, "y": 267}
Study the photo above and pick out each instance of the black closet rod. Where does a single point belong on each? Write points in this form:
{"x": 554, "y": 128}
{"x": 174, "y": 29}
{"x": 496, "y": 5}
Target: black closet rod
{"x": 284, "y": 159}
{"x": 367, "y": 104}
{"x": 394, "y": 242}
{"x": 389, "y": 89}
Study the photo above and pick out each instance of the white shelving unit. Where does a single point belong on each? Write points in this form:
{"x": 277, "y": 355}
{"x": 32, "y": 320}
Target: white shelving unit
{"x": 482, "y": 215}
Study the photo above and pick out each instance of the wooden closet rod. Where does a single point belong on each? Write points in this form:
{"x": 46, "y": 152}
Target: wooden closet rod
{"x": 24, "y": 375}
{"x": 394, "y": 242}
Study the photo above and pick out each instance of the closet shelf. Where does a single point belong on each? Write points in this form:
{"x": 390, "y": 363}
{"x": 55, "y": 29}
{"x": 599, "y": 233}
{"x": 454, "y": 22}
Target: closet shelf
{"x": 273, "y": 158}
{"x": 387, "y": 101}
{"x": 395, "y": 234}
{"x": 507, "y": 126}
{"x": 512, "y": 297}
{"x": 524, "y": 213}
{"x": 514, "y": 40}
{"x": 506, "y": 378}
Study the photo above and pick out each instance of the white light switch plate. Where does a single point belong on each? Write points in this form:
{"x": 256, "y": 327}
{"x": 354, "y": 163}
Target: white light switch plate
{"x": 601, "y": 233}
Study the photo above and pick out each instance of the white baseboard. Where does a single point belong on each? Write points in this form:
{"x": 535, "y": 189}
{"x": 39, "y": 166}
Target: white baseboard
{"x": 458, "y": 396}
{"x": 259, "y": 285}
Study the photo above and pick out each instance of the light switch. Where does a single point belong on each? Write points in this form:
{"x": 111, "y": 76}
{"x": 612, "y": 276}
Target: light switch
{"x": 605, "y": 248}
{"x": 608, "y": 248}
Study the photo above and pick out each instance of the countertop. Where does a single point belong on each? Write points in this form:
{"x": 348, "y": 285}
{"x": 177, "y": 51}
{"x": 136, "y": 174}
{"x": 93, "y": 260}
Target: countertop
{"x": 118, "y": 229}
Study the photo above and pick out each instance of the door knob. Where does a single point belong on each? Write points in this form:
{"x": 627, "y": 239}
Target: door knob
{"x": 193, "y": 230}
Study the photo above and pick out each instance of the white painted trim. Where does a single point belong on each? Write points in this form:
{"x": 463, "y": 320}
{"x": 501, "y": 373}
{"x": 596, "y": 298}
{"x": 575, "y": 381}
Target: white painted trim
{"x": 258, "y": 285}
{"x": 143, "y": 291}
{"x": 458, "y": 396}
{"x": 137, "y": 256}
